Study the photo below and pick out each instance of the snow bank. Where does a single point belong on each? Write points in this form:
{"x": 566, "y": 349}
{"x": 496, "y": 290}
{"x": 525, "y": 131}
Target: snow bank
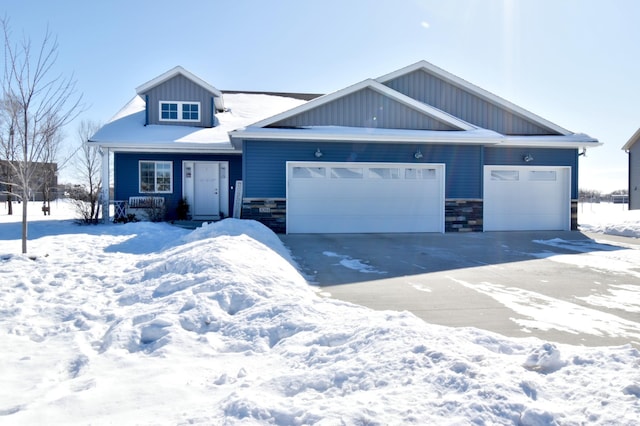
{"x": 152, "y": 324}
{"x": 609, "y": 218}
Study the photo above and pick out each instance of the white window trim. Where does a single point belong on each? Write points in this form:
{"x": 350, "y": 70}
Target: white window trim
{"x": 155, "y": 177}
{"x": 180, "y": 105}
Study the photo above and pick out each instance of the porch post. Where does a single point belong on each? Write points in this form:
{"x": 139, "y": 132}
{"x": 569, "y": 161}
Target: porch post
{"x": 106, "y": 179}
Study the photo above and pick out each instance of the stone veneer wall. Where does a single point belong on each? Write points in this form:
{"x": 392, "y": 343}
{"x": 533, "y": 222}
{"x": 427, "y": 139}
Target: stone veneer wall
{"x": 463, "y": 215}
{"x": 272, "y": 212}
{"x": 574, "y": 215}
{"x": 460, "y": 215}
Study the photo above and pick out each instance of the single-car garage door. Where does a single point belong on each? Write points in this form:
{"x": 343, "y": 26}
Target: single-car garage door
{"x": 364, "y": 197}
{"x": 522, "y": 198}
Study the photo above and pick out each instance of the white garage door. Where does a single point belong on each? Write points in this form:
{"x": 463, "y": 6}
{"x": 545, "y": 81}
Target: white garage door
{"x": 364, "y": 197}
{"x": 520, "y": 198}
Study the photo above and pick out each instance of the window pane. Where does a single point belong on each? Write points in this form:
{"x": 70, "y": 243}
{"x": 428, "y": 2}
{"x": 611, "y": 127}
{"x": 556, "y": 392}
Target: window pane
{"x": 309, "y": 172}
{"x": 426, "y": 174}
{"x": 346, "y": 173}
{"x": 163, "y": 177}
{"x": 155, "y": 176}
{"x": 547, "y": 175}
{"x": 190, "y": 112}
{"x": 169, "y": 111}
{"x": 505, "y": 175}
{"x": 384, "y": 173}
{"x": 147, "y": 176}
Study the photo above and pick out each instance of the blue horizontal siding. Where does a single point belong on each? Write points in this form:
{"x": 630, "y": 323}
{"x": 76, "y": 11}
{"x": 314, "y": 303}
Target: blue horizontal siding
{"x": 265, "y": 163}
{"x": 126, "y": 179}
{"x": 541, "y": 157}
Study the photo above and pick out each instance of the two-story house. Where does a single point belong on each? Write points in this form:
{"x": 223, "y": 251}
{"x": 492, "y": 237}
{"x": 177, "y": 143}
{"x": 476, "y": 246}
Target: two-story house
{"x": 416, "y": 150}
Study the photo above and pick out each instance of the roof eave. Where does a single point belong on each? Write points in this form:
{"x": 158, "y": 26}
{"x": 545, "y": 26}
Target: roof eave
{"x": 199, "y": 147}
{"x": 575, "y": 141}
{"x": 305, "y": 135}
{"x": 627, "y": 146}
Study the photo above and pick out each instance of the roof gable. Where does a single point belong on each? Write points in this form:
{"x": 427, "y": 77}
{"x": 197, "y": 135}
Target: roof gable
{"x": 367, "y": 104}
{"x": 178, "y": 71}
{"x": 434, "y": 86}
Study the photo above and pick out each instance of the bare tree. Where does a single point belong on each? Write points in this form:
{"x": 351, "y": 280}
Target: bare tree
{"x": 88, "y": 163}
{"x": 44, "y": 103}
{"x": 7, "y": 150}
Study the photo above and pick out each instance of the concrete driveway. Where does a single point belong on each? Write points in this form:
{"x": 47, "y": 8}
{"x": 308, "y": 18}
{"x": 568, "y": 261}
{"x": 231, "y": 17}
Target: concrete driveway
{"x": 558, "y": 286}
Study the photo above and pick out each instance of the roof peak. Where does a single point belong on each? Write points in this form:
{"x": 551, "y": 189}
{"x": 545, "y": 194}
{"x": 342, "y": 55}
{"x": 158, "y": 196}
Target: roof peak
{"x": 177, "y": 70}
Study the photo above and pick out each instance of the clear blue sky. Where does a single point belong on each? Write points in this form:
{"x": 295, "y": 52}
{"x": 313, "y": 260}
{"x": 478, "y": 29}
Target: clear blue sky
{"x": 573, "y": 62}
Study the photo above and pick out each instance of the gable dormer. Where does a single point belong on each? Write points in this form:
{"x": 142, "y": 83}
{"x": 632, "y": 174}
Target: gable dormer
{"x": 178, "y": 97}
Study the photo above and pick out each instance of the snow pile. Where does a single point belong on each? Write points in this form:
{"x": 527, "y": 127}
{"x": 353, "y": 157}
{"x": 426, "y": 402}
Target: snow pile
{"x": 608, "y": 218}
{"x": 151, "y": 324}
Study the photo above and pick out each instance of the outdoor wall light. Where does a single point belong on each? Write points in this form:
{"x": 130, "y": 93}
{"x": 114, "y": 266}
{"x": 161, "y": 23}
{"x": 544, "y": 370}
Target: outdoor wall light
{"x": 527, "y": 158}
{"x": 318, "y": 153}
{"x": 418, "y": 154}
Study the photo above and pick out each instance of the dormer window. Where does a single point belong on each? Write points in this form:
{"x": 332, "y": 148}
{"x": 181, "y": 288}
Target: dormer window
{"x": 179, "y": 111}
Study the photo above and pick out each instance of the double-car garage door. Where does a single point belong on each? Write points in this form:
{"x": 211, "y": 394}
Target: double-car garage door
{"x": 325, "y": 197}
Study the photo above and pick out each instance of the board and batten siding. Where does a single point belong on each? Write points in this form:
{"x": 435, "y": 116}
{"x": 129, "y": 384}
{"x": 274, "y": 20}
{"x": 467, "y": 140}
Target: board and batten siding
{"x": 460, "y": 103}
{"x": 365, "y": 108}
{"x": 266, "y": 178}
{"x": 180, "y": 89}
{"x": 126, "y": 178}
{"x": 541, "y": 157}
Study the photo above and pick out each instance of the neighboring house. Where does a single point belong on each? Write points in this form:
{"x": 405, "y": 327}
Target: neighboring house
{"x": 632, "y": 147}
{"x": 171, "y": 142}
{"x": 417, "y": 150}
{"x": 43, "y": 185}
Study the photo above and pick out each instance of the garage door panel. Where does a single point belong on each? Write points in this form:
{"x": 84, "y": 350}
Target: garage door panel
{"x": 363, "y": 206}
{"x": 364, "y": 197}
{"x": 357, "y": 224}
{"x": 526, "y": 198}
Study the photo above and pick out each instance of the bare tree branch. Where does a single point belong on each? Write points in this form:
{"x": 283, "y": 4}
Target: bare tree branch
{"x": 36, "y": 106}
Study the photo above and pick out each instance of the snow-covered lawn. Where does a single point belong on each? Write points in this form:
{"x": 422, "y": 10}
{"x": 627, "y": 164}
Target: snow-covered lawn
{"x": 152, "y": 324}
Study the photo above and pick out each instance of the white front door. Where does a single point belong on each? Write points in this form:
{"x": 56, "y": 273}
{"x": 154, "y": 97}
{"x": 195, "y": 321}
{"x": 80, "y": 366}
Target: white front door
{"x": 205, "y": 186}
{"x": 327, "y": 197}
{"x": 206, "y": 194}
{"x": 527, "y": 198}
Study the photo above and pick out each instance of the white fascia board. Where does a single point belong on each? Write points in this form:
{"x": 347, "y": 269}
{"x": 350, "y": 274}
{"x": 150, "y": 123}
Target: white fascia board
{"x": 337, "y": 134}
{"x": 492, "y": 98}
{"x": 627, "y": 146}
{"x": 577, "y": 140}
{"x": 123, "y": 146}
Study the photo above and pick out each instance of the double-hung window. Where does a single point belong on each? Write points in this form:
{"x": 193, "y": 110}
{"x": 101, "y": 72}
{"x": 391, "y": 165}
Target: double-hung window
{"x": 179, "y": 111}
{"x": 156, "y": 176}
